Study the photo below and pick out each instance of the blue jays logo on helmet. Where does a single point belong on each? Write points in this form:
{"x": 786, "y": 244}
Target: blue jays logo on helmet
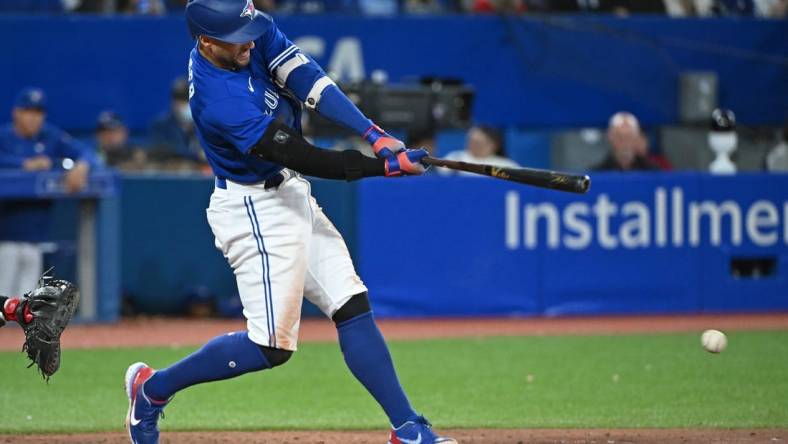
{"x": 230, "y": 21}
{"x": 249, "y": 10}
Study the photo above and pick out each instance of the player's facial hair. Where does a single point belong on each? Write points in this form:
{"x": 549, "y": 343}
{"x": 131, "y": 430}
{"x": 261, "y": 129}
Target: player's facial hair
{"x": 226, "y": 57}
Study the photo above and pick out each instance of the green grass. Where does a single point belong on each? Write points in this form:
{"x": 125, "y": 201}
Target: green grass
{"x": 663, "y": 381}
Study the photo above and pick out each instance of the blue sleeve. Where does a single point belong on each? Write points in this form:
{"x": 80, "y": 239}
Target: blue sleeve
{"x": 235, "y": 121}
{"x": 11, "y": 161}
{"x": 308, "y": 82}
{"x": 67, "y": 146}
{"x": 8, "y": 159}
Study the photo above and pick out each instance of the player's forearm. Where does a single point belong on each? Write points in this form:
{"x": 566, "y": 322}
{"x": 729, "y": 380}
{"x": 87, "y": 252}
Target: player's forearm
{"x": 284, "y": 146}
{"x": 335, "y": 106}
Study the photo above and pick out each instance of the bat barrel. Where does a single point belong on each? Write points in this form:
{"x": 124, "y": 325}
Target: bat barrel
{"x": 530, "y": 176}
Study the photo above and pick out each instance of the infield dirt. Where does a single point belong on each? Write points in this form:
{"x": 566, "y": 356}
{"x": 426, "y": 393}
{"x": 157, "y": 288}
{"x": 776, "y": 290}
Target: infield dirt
{"x": 484, "y": 436}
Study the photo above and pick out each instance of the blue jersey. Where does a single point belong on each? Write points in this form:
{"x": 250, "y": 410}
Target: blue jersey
{"x": 28, "y": 220}
{"x": 50, "y": 141}
{"x": 232, "y": 109}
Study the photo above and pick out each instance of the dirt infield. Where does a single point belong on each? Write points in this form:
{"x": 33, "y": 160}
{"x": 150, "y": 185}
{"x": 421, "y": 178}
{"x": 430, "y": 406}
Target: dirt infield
{"x": 173, "y": 332}
{"x": 500, "y": 436}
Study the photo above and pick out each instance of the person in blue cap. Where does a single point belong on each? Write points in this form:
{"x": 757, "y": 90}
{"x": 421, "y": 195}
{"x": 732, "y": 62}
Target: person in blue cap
{"x": 113, "y": 146}
{"x": 247, "y": 83}
{"x": 29, "y": 143}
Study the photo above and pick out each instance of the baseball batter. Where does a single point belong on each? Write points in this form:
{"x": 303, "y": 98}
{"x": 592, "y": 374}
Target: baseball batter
{"x": 246, "y": 85}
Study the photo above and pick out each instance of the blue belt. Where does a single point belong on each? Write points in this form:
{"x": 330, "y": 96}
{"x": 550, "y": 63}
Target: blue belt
{"x": 272, "y": 182}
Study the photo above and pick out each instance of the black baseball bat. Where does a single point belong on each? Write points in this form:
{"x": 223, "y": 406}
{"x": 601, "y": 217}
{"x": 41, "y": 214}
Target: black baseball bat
{"x": 554, "y": 180}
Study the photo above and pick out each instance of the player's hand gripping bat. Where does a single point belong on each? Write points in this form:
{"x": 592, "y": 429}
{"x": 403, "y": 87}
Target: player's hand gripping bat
{"x": 539, "y": 178}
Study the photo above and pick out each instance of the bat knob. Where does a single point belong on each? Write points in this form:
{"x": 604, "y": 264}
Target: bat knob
{"x": 583, "y": 184}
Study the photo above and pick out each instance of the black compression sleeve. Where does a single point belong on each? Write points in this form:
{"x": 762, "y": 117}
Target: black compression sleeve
{"x": 282, "y": 145}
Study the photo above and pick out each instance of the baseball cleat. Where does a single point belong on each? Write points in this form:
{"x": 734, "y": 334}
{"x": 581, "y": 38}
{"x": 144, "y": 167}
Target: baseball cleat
{"x": 417, "y": 431}
{"x": 143, "y": 416}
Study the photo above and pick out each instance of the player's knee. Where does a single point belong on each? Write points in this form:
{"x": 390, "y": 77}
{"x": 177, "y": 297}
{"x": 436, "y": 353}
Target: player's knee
{"x": 276, "y": 356}
{"x": 356, "y": 305}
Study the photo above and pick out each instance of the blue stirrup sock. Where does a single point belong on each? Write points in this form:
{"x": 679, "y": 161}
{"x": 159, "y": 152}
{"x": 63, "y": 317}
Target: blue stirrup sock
{"x": 368, "y": 358}
{"x": 223, "y": 357}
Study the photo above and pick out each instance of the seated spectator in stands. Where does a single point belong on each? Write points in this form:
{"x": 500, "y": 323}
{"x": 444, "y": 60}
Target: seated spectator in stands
{"x": 777, "y": 159}
{"x": 378, "y": 7}
{"x": 142, "y": 7}
{"x": 180, "y": 5}
{"x": 484, "y": 144}
{"x": 172, "y": 141}
{"x": 705, "y": 8}
{"x": 31, "y": 144}
{"x": 149, "y": 7}
{"x": 260, "y": 5}
{"x": 431, "y": 6}
{"x": 618, "y": 7}
{"x": 497, "y": 6}
{"x": 112, "y": 144}
{"x": 628, "y": 145}
{"x": 316, "y": 6}
{"x": 771, "y": 8}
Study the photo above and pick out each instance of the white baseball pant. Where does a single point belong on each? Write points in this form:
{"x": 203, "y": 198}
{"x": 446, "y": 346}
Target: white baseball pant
{"x": 282, "y": 247}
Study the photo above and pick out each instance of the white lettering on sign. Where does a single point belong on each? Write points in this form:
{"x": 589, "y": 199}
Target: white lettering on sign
{"x": 637, "y": 224}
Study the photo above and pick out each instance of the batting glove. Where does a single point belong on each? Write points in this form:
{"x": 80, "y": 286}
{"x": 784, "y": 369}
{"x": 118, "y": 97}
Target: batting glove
{"x": 406, "y": 163}
{"x": 385, "y": 146}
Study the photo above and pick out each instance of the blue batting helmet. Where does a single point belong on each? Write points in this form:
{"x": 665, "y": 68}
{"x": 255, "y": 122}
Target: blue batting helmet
{"x": 231, "y": 21}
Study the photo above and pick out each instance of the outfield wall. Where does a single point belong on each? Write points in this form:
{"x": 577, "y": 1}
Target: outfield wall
{"x": 640, "y": 243}
{"x": 434, "y": 246}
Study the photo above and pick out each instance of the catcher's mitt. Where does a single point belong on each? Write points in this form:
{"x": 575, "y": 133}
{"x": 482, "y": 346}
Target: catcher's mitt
{"x": 43, "y": 314}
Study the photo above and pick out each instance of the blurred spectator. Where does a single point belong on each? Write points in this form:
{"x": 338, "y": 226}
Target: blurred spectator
{"x": 496, "y": 6}
{"x": 704, "y": 8}
{"x": 151, "y": 7}
{"x": 180, "y": 5}
{"x": 268, "y": 6}
{"x": 173, "y": 143}
{"x": 316, "y": 6}
{"x": 430, "y": 6}
{"x": 618, "y": 7}
{"x": 771, "y": 8}
{"x": 112, "y": 144}
{"x": 378, "y": 7}
{"x": 483, "y": 144}
{"x": 31, "y": 144}
{"x": 777, "y": 159}
{"x": 628, "y": 146}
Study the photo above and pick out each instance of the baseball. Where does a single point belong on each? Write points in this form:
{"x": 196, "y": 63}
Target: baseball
{"x": 714, "y": 341}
